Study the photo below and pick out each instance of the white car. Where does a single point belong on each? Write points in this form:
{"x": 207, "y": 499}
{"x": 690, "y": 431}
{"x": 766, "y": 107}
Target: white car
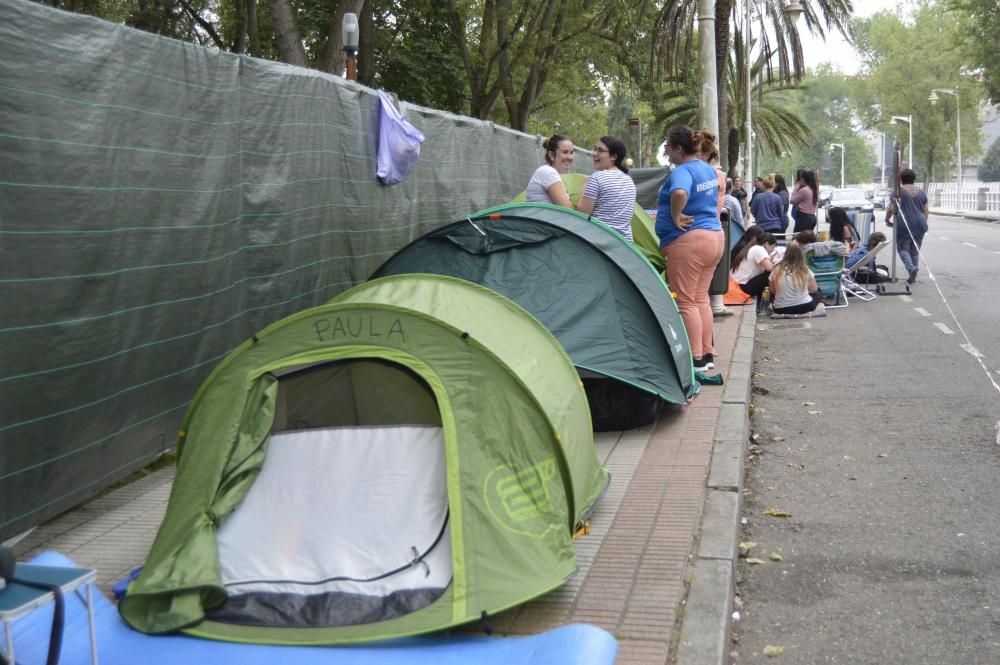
{"x": 849, "y": 198}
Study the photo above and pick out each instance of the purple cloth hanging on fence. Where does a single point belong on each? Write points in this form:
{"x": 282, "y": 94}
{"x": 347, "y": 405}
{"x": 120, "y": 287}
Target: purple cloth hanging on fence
{"x": 398, "y": 144}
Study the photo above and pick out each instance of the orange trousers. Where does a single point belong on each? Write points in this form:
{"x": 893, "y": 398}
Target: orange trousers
{"x": 691, "y": 261}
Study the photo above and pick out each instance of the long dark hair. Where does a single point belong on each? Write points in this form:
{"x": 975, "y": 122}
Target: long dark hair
{"x": 809, "y": 178}
{"x": 764, "y": 239}
{"x": 616, "y": 148}
{"x": 779, "y": 183}
{"x": 838, "y": 222}
{"x": 749, "y": 238}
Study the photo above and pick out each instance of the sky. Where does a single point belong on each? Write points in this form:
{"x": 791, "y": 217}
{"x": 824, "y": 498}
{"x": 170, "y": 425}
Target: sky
{"x": 837, "y": 51}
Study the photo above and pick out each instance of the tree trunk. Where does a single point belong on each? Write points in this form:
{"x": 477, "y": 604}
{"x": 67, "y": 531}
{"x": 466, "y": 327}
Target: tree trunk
{"x": 253, "y": 29}
{"x": 287, "y": 35}
{"x": 723, "y": 12}
{"x": 240, "y": 43}
{"x": 366, "y": 49}
{"x": 332, "y": 56}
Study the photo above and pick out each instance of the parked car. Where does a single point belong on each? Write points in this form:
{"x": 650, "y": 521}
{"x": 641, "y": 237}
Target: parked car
{"x": 824, "y": 195}
{"x": 848, "y": 198}
{"x": 880, "y": 197}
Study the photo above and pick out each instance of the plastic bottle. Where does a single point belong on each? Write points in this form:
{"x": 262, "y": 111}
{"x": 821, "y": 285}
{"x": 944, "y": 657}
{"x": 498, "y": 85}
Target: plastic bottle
{"x": 765, "y": 300}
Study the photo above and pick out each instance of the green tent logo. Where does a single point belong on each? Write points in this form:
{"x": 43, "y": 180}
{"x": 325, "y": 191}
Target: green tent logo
{"x": 520, "y": 499}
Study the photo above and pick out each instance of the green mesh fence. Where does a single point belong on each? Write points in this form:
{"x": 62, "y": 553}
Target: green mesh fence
{"x": 161, "y": 202}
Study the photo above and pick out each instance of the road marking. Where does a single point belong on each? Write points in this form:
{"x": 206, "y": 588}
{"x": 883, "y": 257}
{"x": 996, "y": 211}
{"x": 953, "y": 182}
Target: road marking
{"x": 921, "y": 311}
{"x": 906, "y": 298}
{"x": 969, "y": 244}
{"x": 944, "y": 238}
{"x": 971, "y": 350}
{"x": 943, "y": 328}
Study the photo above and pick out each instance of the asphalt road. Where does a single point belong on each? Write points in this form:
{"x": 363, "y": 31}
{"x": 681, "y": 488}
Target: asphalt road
{"x": 876, "y": 432}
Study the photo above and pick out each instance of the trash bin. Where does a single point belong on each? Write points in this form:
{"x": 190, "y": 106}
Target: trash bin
{"x": 720, "y": 279}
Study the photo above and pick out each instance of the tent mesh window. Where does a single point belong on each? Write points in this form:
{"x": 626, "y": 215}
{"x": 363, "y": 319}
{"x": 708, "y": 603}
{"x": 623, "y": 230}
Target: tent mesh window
{"x": 347, "y": 522}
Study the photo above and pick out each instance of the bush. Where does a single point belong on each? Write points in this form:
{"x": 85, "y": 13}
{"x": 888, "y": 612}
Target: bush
{"x": 989, "y": 170}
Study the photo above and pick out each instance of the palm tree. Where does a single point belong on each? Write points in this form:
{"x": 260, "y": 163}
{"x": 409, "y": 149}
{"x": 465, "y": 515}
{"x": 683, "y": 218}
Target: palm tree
{"x": 674, "y": 37}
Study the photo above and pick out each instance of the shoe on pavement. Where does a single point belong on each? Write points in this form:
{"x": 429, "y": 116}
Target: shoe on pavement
{"x": 912, "y": 276}
{"x": 700, "y": 365}
{"x": 709, "y": 359}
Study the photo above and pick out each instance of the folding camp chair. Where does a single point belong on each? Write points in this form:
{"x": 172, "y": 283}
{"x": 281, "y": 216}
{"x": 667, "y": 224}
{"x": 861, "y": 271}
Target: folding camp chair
{"x": 850, "y": 281}
{"x": 829, "y": 273}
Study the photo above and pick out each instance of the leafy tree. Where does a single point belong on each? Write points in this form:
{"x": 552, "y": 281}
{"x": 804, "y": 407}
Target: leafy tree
{"x": 907, "y": 57}
{"x": 989, "y": 169}
{"x": 979, "y": 26}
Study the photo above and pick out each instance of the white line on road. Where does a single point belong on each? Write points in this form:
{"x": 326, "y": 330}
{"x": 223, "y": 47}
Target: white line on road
{"x": 944, "y": 238}
{"x": 943, "y": 328}
{"x": 906, "y": 298}
{"x": 969, "y": 244}
{"x": 921, "y": 311}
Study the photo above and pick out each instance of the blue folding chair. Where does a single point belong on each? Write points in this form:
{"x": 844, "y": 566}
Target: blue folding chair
{"x": 829, "y": 272}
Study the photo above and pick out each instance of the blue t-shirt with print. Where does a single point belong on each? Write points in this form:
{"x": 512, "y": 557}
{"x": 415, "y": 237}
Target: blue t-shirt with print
{"x": 698, "y": 179}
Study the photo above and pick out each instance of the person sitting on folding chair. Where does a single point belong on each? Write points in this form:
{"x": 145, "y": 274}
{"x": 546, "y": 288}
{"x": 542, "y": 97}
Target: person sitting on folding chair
{"x": 841, "y": 228}
{"x": 793, "y": 285}
{"x": 858, "y": 253}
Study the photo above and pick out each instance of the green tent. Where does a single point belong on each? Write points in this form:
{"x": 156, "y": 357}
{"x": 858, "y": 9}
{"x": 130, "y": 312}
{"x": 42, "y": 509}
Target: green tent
{"x": 406, "y": 458}
{"x": 593, "y": 289}
{"x": 643, "y": 230}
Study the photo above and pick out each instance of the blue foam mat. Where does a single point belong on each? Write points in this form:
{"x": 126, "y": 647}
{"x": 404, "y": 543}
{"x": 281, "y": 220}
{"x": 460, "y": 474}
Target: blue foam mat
{"x": 117, "y": 644}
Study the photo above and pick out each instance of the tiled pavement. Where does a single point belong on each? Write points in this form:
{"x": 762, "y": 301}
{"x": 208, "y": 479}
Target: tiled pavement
{"x": 634, "y": 567}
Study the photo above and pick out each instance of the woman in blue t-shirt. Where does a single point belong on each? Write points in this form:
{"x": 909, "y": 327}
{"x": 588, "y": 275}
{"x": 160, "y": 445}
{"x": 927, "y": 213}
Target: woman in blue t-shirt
{"x": 691, "y": 238}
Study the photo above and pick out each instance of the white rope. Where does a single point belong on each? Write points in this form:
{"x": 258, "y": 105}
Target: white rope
{"x": 968, "y": 347}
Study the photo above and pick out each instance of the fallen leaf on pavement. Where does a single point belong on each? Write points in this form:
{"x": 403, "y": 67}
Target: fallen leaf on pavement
{"x": 771, "y": 650}
{"x": 814, "y": 413}
{"x": 808, "y": 403}
{"x": 777, "y": 438}
{"x": 755, "y": 561}
{"x": 776, "y": 556}
{"x": 774, "y": 512}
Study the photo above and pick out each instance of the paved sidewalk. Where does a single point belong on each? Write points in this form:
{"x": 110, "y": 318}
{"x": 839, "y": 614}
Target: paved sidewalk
{"x": 656, "y": 570}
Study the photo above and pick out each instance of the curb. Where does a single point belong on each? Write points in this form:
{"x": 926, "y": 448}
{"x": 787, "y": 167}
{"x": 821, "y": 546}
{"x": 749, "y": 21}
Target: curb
{"x": 705, "y": 631}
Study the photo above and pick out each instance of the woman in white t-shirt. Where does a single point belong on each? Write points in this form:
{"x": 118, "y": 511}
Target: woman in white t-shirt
{"x": 793, "y": 285}
{"x": 754, "y": 266}
{"x": 546, "y": 185}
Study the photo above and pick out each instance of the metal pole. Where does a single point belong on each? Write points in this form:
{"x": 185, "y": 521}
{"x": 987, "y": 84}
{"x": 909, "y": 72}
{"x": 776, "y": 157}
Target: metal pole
{"x": 640, "y": 144}
{"x": 842, "y": 151}
{"x": 883, "y": 158}
{"x": 958, "y": 124}
{"x": 910, "y": 153}
{"x": 748, "y": 167}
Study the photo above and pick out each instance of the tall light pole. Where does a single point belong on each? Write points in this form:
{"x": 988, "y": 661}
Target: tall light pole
{"x": 349, "y": 36}
{"x": 792, "y": 10}
{"x": 958, "y": 129}
{"x": 908, "y": 119}
{"x": 842, "y": 151}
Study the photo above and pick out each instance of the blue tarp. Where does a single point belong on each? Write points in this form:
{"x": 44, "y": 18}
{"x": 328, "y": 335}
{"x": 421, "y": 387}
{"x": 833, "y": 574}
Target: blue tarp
{"x": 117, "y": 644}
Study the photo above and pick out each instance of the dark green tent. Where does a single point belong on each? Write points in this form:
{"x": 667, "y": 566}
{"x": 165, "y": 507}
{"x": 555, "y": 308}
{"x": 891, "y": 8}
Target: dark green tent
{"x": 593, "y": 289}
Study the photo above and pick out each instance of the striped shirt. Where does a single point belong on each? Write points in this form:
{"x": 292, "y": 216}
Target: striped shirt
{"x": 613, "y": 193}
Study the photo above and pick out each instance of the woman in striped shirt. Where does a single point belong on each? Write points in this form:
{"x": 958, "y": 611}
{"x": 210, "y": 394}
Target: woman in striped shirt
{"x": 609, "y": 194}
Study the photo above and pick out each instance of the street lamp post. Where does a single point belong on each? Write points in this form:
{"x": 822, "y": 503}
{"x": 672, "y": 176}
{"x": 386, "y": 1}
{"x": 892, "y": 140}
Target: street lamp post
{"x": 958, "y": 129}
{"x": 842, "y": 151}
{"x": 349, "y": 37}
{"x": 908, "y": 119}
{"x": 792, "y": 10}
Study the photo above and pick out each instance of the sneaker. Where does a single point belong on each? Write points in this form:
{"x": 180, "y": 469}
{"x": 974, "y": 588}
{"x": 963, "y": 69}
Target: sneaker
{"x": 700, "y": 365}
{"x": 709, "y": 360}
{"x": 912, "y": 276}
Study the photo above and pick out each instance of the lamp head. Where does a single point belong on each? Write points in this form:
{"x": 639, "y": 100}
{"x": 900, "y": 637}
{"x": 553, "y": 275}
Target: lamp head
{"x": 349, "y": 32}
{"x": 793, "y": 10}
{"x": 933, "y": 99}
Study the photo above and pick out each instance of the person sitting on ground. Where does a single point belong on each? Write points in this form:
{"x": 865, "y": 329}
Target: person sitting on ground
{"x": 546, "y": 185}
{"x": 808, "y": 242}
{"x": 793, "y": 285}
{"x": 768, "y": 208}
{"x": 754, "y": 265}
{"x": 842, "y": 229}
{"x": 859, "y": 253}
{"x": 750, "y": 237}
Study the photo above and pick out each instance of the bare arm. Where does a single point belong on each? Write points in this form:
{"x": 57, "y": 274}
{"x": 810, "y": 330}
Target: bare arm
{"x": 557, "y": 192}
{"x": 679, "y": 199}
{"x": 583, "y": 203}
{"x": 767, "y": 265}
